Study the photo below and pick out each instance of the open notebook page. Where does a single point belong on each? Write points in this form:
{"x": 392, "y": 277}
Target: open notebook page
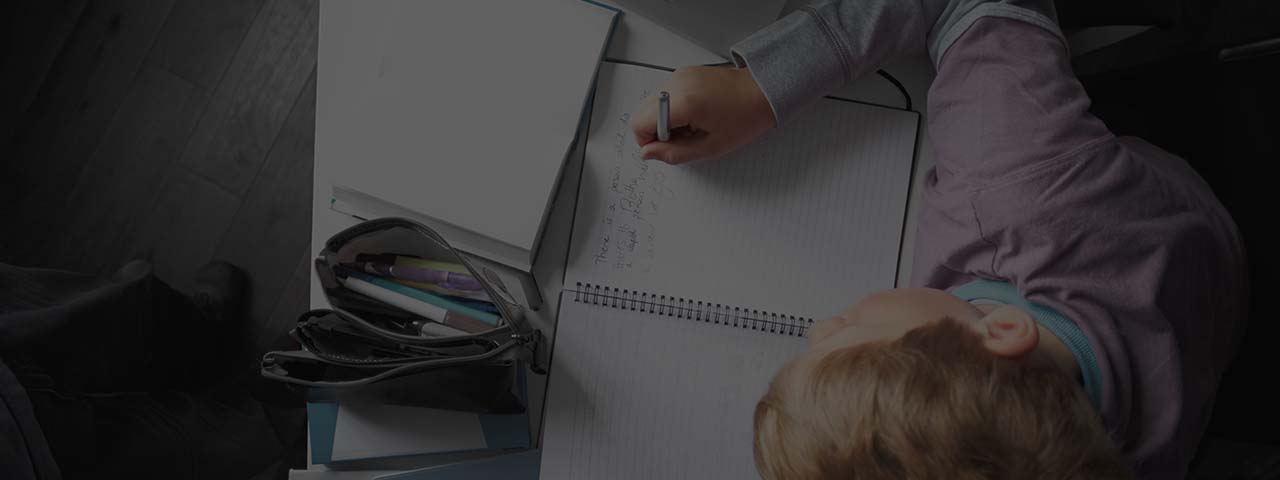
{"x": 802, "y": 222}
{"x": 639, "y": 396}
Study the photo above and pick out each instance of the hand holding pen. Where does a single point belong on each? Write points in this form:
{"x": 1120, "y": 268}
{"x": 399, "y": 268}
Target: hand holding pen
{"x": 709, "y": 111}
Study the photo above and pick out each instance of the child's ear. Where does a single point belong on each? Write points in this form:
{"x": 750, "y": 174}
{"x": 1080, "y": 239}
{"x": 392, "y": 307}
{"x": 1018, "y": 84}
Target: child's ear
{"x": 1009, "y": 332}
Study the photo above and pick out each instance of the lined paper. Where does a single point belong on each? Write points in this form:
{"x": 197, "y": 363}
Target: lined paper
{"x": 633, "y": 395}
{"x": 802, "y": 222}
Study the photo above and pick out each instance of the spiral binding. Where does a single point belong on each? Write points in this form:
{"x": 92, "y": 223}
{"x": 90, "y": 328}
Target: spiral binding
{"x": 696, "y": 310}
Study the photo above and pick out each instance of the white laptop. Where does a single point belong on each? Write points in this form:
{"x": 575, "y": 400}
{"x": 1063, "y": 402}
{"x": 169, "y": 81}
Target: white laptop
{"x": 712, "y": 24}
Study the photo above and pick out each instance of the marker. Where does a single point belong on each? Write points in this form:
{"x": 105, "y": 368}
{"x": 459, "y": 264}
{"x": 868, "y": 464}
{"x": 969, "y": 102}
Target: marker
{"x": 433, "y": 329}
{"x": 440, "y": 317}
{"x": 664, "y": 117}
{"x": 450, "y": 280}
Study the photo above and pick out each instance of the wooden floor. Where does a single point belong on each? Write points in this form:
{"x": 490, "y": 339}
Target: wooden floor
{"x": 179, "y": 131}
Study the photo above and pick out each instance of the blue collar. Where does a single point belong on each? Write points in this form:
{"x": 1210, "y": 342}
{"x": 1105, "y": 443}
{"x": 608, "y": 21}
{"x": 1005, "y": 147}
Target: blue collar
{"x": 1063, "y": 327}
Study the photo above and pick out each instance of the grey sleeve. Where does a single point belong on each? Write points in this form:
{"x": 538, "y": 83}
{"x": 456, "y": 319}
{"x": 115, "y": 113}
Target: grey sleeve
{"x": 829, "y": 43}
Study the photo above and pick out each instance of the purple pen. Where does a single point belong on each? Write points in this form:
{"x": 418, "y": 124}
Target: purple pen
{"x": 444, "y": 279}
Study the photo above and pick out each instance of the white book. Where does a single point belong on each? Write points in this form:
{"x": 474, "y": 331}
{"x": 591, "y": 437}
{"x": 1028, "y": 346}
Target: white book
{"x": 456, "y": 113}
{"x": 714, "y": 25}
{"x": 397, "y": 437}
{"x": 688, "y": 287}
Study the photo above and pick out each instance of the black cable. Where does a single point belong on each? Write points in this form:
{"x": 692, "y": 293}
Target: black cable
{"x": 905, "y": 96}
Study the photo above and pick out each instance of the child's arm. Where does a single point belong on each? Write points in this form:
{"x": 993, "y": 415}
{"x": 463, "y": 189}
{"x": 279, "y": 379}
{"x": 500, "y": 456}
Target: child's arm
{"x": 804, "y": 56}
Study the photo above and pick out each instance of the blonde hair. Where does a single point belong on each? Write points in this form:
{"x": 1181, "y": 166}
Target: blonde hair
{"x": 932, "y": 404}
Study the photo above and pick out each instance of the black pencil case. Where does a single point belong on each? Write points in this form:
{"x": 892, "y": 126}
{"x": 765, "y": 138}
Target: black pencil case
{"x": 365, "y": 348}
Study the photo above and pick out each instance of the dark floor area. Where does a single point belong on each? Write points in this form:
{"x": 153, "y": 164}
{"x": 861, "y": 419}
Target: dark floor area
{"x": 178, "y": 131}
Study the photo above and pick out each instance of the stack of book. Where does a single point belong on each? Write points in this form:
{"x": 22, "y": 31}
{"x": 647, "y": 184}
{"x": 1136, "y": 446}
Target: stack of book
{"x": 379, "y": 439}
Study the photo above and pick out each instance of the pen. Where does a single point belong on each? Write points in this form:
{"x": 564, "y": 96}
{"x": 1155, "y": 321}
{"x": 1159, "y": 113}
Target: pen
{"x": 439, "y": 315}
{"x": 452, "y": 280}
{"x": 664, "y": 117}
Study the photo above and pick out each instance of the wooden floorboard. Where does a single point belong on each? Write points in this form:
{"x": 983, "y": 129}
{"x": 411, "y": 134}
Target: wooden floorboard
{"x": 178, "y": 131}
{"x": 30, "y": 39}
{"x": 120, "y": 181}
{"x": 81, "y": 94}
{"x": 295, "y": 300}
{"x": 119, "y": 154}
{"x": 255, "y": 95}
{"x": 181, "y": 232}
{"x": 273, "y": 224}
{"x": 35, "y": 34}
{"x": 201, "y": 37}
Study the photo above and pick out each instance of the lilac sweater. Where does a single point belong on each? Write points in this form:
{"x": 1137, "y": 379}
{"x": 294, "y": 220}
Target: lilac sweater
{"x": 1118, "y": 235}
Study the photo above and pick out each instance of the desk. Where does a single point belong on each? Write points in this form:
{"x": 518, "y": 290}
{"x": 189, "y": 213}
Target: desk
{"x": 639, "y": 40}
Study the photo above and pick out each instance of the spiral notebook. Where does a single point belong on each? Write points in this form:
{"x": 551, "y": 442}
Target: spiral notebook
{"x": 687, "y": 287}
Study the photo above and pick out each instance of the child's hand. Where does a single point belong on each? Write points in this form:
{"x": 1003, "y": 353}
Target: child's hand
{"x": 713, "y": 111}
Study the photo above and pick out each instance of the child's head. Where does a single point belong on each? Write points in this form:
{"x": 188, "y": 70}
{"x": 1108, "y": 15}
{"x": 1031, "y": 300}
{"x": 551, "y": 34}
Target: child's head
{"x": 915, "y": 383}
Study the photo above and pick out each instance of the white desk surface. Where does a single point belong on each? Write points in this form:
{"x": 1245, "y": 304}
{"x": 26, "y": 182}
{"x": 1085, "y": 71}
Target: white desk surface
{"x": 639, "y": 40}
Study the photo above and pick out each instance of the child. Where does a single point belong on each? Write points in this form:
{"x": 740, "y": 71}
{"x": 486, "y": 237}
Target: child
{"x": 1095, "y": 288}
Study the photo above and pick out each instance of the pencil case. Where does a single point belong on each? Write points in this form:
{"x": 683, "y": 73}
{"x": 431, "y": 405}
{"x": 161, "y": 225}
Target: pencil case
{"x": 374, "y": 346}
